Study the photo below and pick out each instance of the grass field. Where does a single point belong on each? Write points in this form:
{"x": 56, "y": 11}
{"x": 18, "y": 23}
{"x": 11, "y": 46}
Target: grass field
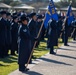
{"x": 9, "y": 64}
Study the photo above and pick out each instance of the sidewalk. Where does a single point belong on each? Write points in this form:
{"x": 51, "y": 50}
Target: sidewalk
{"x": 63, "y": 63}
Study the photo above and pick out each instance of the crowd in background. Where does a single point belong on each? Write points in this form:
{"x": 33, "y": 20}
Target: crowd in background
{"x": 10, "y": 24}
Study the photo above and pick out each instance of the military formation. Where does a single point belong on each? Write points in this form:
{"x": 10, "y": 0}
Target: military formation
{"x": 18, "y": 33}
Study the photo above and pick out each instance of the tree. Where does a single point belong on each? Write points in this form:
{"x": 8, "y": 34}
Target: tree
{"x": 64, "y": 3}
{"x": 15, "y": 3}
{"x": 6, "y": 1}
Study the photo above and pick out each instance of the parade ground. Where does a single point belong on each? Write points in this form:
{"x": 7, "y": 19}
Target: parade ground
{"x": 63, "y": 63}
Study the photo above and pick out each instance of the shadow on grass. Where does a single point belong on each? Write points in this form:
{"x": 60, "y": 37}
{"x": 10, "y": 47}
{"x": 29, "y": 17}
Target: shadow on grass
{"x": 40, "y": 49}
{"x": 9, "y": 59}
{"x": 43, "y": 41}
{"x": 4, "y": 65}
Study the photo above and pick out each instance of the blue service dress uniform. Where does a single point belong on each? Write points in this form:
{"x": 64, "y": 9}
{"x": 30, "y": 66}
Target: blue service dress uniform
{"x": 38, "y": 28}
{"x": 24, "y": 46}
{"x": 14, "y": 35}
{"x": 59, "y": 27}
{"x": 66, "y": 33}
{"x": 33, "y": 31}
{"x": 8, "y": 36}
{"x": 53, "y": 36}
{"x": 74, "y": 29}
{"x": 3, "y": 37}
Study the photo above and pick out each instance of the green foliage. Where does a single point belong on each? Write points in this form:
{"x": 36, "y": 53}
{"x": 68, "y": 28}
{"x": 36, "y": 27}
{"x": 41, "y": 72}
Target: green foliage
{"x": 11, "y": 2}
{"x": 6, "y": 1}
{"x": 15, "y": 3}
{"x": 65, "y": 3}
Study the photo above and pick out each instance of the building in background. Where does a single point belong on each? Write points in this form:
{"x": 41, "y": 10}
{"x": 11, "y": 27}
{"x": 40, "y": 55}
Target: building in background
{"x": 35, "y": 0}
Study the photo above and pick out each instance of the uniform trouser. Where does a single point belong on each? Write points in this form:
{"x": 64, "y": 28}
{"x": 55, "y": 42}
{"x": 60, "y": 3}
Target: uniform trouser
{"x": 14, "y": 47}
{"x": 12, "y": 52}
{"x": 22, "y": 67}
{"x": 74, "y": 36}
{"x": 32, "y": 44}
{"x": 2, "y": 51}
{"x": 37, "y": 44}
{"x": 62, "y": 36}
{"x": 51, "y": 49}
{"x": 65, "y": 38}
{"x": 6, "y": 50}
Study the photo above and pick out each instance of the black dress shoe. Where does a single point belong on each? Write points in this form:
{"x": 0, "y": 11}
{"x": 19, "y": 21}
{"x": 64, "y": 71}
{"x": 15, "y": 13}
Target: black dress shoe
{"x": 53, "y": 53}
{"x": 66, "y": 45}
{"x": 24, "y": 70}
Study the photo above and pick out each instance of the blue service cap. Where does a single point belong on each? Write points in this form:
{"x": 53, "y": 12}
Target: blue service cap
{"x": 3, "y": 12}
{"x": 15, "y": 17}
{"x": 40, "y": 17}
{"x": 23, "y": 17}
{"x": 8, "y": 14}
{"x": 32, "y": 14}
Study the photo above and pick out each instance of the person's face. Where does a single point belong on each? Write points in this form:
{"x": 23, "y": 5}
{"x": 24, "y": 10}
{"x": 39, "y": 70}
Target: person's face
{"x": 35, "y": 17}
{"x": 25, "y": 22}
{"x": 16, "y": 20}
{"x": 4, "y": 16}
{"x": 70, "y": 14}
{"x": 9, "y": 17}
{"x": 39, "y": 20}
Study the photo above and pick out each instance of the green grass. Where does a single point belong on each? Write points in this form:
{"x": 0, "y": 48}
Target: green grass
{"x": 9, "y": 64}
{"x": 41, "y": 50}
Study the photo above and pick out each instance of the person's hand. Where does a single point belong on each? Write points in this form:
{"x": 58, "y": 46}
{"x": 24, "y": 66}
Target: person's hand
{"x": 36, "y": 39}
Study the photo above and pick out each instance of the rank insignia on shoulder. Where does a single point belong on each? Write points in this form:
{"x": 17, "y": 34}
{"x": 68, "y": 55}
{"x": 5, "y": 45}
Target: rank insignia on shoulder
{"x": 25, "y": 30}
{"x": 12, "y": 24}
{"x": 0, "y": 19}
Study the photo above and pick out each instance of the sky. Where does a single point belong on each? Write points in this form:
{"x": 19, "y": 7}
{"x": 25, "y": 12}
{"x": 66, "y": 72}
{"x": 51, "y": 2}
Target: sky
{"x": 56, "y": 0}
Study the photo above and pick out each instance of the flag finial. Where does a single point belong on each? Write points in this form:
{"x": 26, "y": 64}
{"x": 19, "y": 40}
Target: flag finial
{"x": 70, "y": 2}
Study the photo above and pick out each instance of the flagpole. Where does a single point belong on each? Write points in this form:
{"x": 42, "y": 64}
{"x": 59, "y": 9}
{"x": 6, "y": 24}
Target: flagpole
{"x": 64, "y": 22}
{"x": 73, "y": 32}
{"x": 35, "y": 43}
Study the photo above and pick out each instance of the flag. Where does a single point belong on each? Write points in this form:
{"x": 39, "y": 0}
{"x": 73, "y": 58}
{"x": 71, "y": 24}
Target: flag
{"x": 51, "y": 13}
{"x": 70, "y": 15}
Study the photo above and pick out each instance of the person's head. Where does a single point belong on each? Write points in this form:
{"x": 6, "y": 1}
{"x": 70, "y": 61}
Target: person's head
{"x": 15, "y": 19}
{"x": 3, "y": 14}
{"x": 14, "y": 14}
{"x": 33, "y": 16}
{"x": 60, "y": 17}
{"x": 39, "y": 18}
{"x": 8, "y": 15}
{"x": 71, "y": 14}
{"x": 24, "y": 20}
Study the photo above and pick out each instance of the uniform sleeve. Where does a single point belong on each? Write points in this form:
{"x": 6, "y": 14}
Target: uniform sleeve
{"x": 31, "y": 26}
{"x": 0, "y": 25}
{"x": 53, "y": 25}
{"x": 26, "y": 34}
